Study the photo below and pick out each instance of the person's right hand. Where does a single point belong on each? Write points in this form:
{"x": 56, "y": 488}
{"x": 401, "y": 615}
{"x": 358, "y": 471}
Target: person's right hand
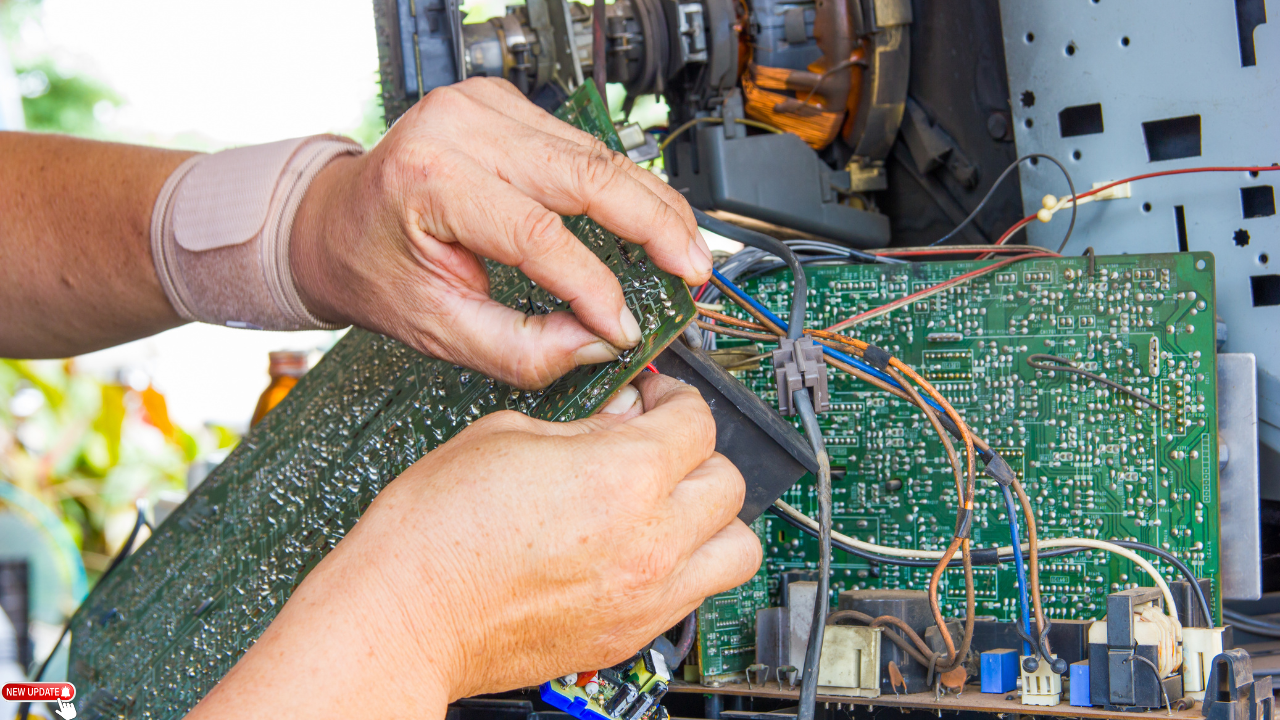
{"x": 519, "y": 551}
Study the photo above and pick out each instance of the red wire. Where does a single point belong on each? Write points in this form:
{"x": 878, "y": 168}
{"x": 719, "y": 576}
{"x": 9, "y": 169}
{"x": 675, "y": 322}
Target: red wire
{"x": 1185, "y": 171}
{"x": 701, "y": 290}
{"x": 652, "y": 369}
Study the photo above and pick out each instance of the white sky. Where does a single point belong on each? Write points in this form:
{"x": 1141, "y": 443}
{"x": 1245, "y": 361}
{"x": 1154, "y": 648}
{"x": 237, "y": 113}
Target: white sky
{"x": 235, "y": 71}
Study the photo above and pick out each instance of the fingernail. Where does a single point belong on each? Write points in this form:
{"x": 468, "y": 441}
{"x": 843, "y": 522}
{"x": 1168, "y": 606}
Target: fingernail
{"x": 622, "y": 402}
{"x": 700, "y": 255}
{"x": 630, "y": 328}
{"x": 597, "y": 352}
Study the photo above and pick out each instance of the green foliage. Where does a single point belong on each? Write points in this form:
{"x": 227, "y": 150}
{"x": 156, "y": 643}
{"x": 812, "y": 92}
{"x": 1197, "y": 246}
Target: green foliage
{"x": 89, "y": 451}
{"x": 54, "y": 101}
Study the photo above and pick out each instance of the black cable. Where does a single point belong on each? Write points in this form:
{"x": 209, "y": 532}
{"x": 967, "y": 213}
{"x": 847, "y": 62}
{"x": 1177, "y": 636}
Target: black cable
{"x": 800, "y": 291}
{"x": 1252, "y": 625}
{"x": 24, "y": 710}
{"x": 1189, "y": 576}
{"x": 1070, "y": 185}
{"x": 688, "y": 634}
{"x": 1064, "y": 365}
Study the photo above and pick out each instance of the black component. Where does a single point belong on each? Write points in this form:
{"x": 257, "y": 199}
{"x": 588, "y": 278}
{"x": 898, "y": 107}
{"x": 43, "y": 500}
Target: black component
{"x": 997, "y": 469}
{"x": 641, "y": 706}
{"x": 1232, "y": 692}
{"x": 1266, "y": 290}
{"x": 489, "y": 709}
{"x": 912, "y": 607}
{"x": 792, "y": 576}
{"x": 621, "y": 700}
{"x": 1122, "y": 673}
{"x": 775, "y": 178}
{"x": 610, "y": 675}
{"x": 1186, "y": 604}
{"x": 965, "y": 522}
{"x": 1031, "y": 663}
{"x": 771, "y": 455}
{"x": 893, "y": 485}
{"x": 15, "y": 600}
{"x": 877, "y": 357}
{"x": 647, "y": 658}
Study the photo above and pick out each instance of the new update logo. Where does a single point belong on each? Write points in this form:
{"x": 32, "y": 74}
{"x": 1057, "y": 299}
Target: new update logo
{"x": 61, "y": 692}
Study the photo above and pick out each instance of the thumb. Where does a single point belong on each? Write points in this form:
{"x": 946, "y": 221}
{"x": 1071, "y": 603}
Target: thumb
{"x": 623, "y": 406}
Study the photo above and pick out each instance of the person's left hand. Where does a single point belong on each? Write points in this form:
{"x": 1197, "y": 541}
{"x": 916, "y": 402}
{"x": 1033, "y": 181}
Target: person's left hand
{"x": 392, "y": 241}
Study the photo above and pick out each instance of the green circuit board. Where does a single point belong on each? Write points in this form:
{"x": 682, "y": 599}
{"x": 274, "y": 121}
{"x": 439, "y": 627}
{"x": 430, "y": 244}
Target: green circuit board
{"x": 1094, "y": 463}
{"x": 159, "y": 632}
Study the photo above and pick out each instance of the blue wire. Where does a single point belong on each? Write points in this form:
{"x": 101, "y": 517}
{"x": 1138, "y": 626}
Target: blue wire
{"x": 849, "y": 359}
{"x": 1012, "y": 512}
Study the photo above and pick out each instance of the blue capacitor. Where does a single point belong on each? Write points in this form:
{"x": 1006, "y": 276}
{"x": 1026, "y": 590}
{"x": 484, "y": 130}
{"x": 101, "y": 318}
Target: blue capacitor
{"x": 999, "y": 670}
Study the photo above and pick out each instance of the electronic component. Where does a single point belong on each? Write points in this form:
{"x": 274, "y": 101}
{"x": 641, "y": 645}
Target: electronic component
{"x": 1199, "y": 647}
{"x": 630, "y": 690}
{"x": 909, "y": 606}
{"x": 1134, "y": 654}
{"x": 1096, "y": 462}
{"x": 850, "y": 661}
{"x": 1238, "y": 695}
{"x": 1040, "y": 684}
{"x": 998, "y": 670}
{"x": 216, "y": 572}
{"x": 1080, "y": 685}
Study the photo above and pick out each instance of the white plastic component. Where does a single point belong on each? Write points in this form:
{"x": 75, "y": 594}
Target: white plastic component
{"x": 1123, "y": 190}
{"x": 850, "y": 661}
{"x": 570, "y": 679}
{"x": 660, "y": 669}
{"x": 1199, "y": 647}
{"x": 1042, "y": 687}
{"x": 591, "y": 688}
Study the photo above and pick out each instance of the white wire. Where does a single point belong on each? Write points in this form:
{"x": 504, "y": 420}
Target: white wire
{"x": 1133, "y": 557}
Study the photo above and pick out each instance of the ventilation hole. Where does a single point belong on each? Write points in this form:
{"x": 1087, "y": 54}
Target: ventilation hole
{"x": 1031, "y": 37}
{"x": 1253, "y": 173}
{"x": 1180, "y": 220}
{"x": 1146, "y": 207}
{"x": 1173, "y": 138}
{"x": 1249, "y": 15}
{"x": 1263, "y": 259}
{"x": 1241, "y": 237}
{"x": 1075, "y": 155}
{"x": 1124, "y": 41}
{"x": 1266, "y": 290}
{"x": 1080, "y": 120}
{"x": 1258, "y": 201}
{"x": 1028, "y": 123}
{"x": 1071, "y": 49}
{"x": 1035, "y": 161}
{"x": 1028, "y": 98}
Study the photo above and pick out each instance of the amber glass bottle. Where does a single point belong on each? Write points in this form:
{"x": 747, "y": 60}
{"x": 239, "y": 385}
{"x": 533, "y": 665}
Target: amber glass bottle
{"x": 286, "y": 367}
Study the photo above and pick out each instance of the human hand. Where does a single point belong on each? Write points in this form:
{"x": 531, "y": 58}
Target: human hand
{"x": 393, "y": 241}
{"x": 519, "y": 551}
{"x": 66, "y": 709}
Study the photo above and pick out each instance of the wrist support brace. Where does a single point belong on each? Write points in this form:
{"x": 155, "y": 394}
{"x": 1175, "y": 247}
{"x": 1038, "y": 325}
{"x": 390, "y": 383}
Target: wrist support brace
{"x": 220, "y": 233}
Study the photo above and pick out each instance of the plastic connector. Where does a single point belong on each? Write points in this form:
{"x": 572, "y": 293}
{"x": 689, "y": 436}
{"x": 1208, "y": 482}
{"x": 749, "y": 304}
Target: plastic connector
{"x": 850, "y": 661}
{"x": 798, "y": 364}
{"x": 1199, "y": 647}
{"x": 998, "y": 670}
{"x": 1119, "y": 192}
{"x": 1042, "y": 687}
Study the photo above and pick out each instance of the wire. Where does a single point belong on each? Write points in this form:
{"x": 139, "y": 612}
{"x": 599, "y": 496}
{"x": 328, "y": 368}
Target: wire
{"x": 1012, "y": 512}
{"x": 24, "y": 710}
{"x": 714, "y": 120}
{"x": 996, "y": 185}
{"x": 1107, "y": 186}
{"x": 1068, "y": 366}
{"x": 1252, "y": 625}
{"x": 688, "y": 634}
{"x": 1159, "y": 680}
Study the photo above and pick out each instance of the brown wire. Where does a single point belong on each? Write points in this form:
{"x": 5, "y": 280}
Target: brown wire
{"x": 730, "y": 320}
{"x": 734, "y": 332}
{"x": 911, "y": 643}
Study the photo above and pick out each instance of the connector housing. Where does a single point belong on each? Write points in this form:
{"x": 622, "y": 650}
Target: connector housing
{"x": 1199, "y": 647}
{"x": 1042, "y": 687}
{"x": 1079, "y": 696}
{"x": 850, "y": 661}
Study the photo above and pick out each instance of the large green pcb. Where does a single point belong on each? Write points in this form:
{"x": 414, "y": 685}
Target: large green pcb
{"x": 158, "y": 633}
{"x": 1095, "y": 464}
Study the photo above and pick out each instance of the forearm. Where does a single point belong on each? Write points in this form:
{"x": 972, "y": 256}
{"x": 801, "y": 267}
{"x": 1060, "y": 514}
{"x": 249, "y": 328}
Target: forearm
{"x": 76, "y": 273}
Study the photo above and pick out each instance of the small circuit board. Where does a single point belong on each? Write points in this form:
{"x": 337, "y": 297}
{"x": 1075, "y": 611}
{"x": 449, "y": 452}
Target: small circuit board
{"x": 163, "y": 629}
{"x": 1097, "y": 463}
{"x": 631, "y": 690}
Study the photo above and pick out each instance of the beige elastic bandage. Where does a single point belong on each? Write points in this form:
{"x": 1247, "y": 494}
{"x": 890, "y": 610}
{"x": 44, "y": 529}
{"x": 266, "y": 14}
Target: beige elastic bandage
{"x": 220, "y": 233}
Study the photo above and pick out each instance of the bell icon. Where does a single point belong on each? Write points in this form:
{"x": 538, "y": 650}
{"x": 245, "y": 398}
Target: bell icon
{"x": 66, "y": 691}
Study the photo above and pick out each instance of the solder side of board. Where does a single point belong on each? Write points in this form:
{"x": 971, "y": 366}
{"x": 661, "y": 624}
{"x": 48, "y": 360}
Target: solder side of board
{"x": 158, "y": 633}
{"x": 1095, "y": 463}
